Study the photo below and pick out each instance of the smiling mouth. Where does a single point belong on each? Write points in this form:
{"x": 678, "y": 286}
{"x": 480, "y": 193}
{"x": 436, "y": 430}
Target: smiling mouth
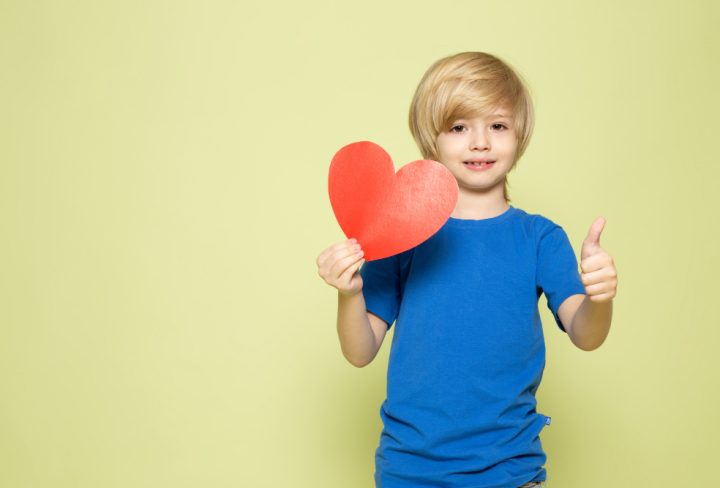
{"x": 478, "y": 164}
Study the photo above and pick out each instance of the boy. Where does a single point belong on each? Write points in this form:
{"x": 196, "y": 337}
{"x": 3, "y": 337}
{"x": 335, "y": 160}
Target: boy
{"x": 468, "y": 351}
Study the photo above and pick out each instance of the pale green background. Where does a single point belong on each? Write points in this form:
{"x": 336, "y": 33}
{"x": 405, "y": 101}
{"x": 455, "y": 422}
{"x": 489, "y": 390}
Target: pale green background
{"x": 163, "y": 199}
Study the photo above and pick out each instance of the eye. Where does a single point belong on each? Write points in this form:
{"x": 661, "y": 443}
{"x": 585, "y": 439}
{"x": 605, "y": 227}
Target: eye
{"x": 500, "y": 125}
{"x": 459, "y": 126}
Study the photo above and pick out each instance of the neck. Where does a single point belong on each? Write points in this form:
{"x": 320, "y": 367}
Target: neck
{"x": 472, "y": 205}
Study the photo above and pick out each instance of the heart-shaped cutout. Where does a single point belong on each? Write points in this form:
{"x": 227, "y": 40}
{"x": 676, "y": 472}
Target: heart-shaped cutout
{"x": 388, "y": 212}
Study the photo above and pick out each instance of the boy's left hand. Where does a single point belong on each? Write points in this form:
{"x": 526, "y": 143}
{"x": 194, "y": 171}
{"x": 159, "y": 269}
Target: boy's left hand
{"x": 598, "y": 269}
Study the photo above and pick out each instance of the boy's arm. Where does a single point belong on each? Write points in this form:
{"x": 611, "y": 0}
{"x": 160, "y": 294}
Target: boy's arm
{"x": 361, "y": 333}
{"x": 586, "y": 322}
{"x": 586, "y": 318}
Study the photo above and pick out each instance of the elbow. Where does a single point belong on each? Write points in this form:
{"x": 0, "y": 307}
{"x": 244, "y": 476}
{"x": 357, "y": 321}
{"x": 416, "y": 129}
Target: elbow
{"x": 588, "y": 347}
{"x": 359, "y": 357}
{"x": 362, "y": 361}
{"x": 358, "y": 364}
{"x": 586, "y": 343}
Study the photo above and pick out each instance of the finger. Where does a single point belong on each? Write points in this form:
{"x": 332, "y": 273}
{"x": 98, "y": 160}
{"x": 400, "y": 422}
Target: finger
{"x": 343, "y": 264}
{"x": 350, "y": 272}
{"x": 605, "y": 297}
{"x": 600, "y": 288}
{"x": 331, "y": 269}
{"x": 322, "y": 257}
{"x": 591, "y": 244}
{"x": 344, "y": 278}
{"x": 596, "y": 229}
{"x": 595, "y": 262}
{"x": 343, "y": 252}
{"x": 336, "y": 252}
{"x": 333, "y": 250}
{"x": 603, "y": 274}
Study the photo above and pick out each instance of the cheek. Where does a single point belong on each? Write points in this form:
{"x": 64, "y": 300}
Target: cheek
{"x": 448, "y": 148}
{"x": 438, "y": 150}
{"x": 441, "y": 152}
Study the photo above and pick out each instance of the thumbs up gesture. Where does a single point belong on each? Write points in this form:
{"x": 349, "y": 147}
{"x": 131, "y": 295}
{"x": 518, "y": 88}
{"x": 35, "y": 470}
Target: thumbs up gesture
{"x": 598, "y": 275}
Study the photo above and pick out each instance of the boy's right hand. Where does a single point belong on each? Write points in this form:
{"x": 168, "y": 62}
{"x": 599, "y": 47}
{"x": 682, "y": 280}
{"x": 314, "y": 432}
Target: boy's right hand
{"x": 338, "y": 266}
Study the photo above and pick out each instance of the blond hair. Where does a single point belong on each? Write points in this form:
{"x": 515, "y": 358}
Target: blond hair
{"x": 467, "y": 85}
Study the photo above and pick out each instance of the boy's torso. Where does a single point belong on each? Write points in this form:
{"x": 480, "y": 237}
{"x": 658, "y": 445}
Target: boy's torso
{"x": 466, "y": 359}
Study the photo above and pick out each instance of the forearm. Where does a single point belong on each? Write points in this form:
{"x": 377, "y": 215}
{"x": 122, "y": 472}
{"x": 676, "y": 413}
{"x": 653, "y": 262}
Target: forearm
{"x": 591, "y": 324}
{"x": 357, "y": 339}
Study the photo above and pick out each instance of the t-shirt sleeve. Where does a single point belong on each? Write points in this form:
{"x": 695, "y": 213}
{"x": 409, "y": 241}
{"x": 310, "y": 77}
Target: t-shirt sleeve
{"x": 557, "y": 269}
{"x": 382, "y": 287}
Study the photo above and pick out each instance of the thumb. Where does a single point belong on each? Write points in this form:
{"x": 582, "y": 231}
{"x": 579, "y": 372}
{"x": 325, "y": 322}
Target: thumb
{"x": 591, "y": 244}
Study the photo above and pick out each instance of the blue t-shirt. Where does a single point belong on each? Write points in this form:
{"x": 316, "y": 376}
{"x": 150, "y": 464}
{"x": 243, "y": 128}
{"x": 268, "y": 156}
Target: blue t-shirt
{"x": 468, "y": 351}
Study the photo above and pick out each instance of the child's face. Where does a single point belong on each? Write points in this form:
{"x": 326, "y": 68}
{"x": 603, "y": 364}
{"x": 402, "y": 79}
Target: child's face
{"x": 469, "y": 140}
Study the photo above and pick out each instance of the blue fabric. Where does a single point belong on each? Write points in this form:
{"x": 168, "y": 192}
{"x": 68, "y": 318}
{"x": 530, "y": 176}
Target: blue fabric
{"x": 468, "y": 350}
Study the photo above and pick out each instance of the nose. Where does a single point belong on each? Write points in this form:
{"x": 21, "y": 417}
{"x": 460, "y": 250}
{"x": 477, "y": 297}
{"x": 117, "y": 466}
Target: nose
{"x": 479, "y": 141}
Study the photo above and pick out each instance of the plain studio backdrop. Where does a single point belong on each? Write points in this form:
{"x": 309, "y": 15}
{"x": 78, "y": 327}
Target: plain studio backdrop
{"x": 163, "y": 197}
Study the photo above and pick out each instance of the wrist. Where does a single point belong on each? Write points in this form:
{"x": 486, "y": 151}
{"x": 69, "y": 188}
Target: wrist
{"x": 349, "y": 295}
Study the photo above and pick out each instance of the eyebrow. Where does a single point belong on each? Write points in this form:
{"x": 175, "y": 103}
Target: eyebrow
{"x": 498, "y": 114}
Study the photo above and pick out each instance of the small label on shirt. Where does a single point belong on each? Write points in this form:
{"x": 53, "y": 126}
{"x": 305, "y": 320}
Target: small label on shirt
{"x": 547, "y": 420}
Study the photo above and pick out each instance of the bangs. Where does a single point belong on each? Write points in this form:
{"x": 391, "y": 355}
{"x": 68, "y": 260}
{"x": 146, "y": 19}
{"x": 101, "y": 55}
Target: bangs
{"x": 480, "y": 98}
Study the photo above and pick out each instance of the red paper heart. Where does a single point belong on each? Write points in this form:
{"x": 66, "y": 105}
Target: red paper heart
{"x": 388, "y": 213}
